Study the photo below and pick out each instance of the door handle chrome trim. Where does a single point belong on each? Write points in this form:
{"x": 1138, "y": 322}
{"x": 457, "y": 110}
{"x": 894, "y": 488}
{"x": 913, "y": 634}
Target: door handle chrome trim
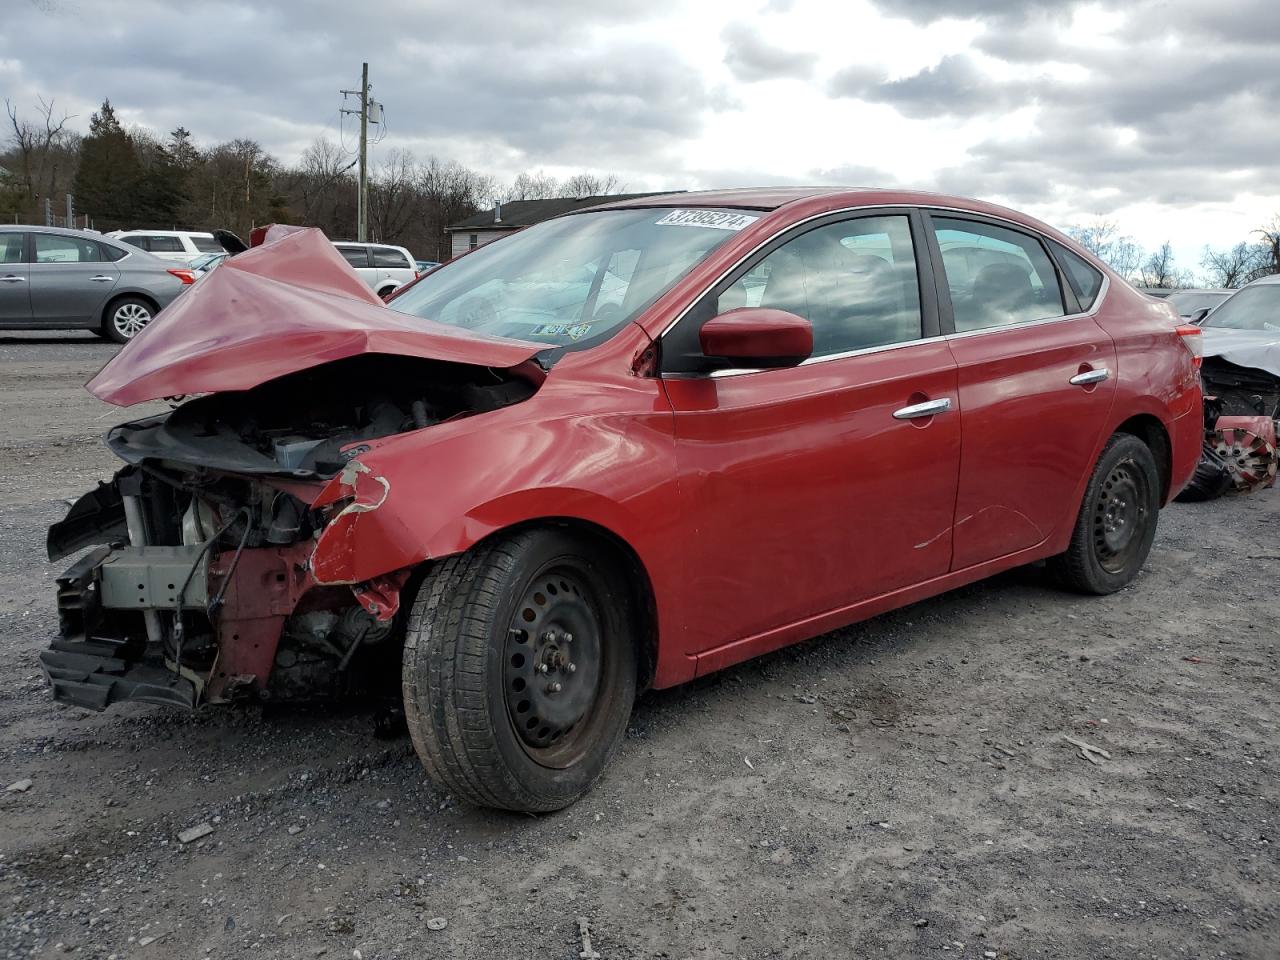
{"x": 926, "y": 409}
{"x": 102, "y": 279}
{"x": 13, "y": 279}
{"x": 1090, "y": 376}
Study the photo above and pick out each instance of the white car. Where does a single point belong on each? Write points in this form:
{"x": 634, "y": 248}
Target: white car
{"x": 180, "y": 246}
{"x": 381, "y": 266}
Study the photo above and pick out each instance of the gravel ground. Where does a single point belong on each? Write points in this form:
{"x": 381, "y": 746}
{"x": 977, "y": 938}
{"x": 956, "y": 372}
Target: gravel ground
{"x": 900, "y": 788}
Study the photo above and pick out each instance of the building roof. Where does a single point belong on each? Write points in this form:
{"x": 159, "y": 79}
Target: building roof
{"x": 524, "y": 213}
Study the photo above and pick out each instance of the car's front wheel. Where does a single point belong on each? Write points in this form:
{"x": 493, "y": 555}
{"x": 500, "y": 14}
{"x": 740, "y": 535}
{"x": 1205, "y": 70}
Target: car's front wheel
{"x": 1117, "y": 521}
{"x": 126, "y": 318}
{"x": 520, "y": 669}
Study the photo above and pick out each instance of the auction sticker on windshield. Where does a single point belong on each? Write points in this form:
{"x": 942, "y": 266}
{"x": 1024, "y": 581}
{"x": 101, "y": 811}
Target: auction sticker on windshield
{"x": 715, "y": 219}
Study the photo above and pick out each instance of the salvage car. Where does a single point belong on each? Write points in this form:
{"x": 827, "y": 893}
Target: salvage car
{"x": 1241, "y": 378}
{"x": 617, "y": 450}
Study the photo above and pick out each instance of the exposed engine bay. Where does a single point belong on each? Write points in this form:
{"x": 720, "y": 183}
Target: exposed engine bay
{"x": 201, "y": 587}
{"x": 309, "y": 424}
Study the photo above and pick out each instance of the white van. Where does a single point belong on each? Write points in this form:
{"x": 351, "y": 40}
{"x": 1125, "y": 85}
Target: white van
{"x": 180, "y": 246}
{"x": 381, "y": 266}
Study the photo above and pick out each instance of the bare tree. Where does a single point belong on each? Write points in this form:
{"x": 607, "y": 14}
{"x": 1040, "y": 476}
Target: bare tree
{"x": 1232, "y": 267}
{"x": 44, "y": 149}
{"x": 1102, "y": 237}
{"x": 393, "y": 196}
{"x": 591, "y": 185}
{"x": 1270, "y": 243}
{"x": 1158, "y": 269}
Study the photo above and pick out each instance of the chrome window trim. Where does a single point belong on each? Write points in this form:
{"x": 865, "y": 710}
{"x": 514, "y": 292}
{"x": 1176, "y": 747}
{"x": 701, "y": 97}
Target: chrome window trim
{"x": 737, "y": 372}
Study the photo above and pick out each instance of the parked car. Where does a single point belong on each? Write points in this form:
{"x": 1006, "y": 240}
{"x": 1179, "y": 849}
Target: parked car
{"x": 207, "y": 261}
{"x": 179, "y": 246}
{"x": 425, "y": 266}
{"x": 517, "y": 503}
{"x": 1191, "y": 301}
{"x": 56, "y": 279}
{"x": 382, "y": 267}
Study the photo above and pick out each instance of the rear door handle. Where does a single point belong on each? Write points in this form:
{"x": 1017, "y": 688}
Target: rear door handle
{"x": 1090, "y": 376}
{"x": 927, "y": 409}
{"x": 102, "y": 279}
{"x": 12, "y": 279}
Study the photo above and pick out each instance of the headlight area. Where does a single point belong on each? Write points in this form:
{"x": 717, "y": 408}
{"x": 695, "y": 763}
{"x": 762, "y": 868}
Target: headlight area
{"x": 201, "y": 590}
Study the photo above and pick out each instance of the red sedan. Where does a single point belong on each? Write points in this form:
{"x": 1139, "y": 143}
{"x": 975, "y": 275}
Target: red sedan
{"x": 619, "y": 449}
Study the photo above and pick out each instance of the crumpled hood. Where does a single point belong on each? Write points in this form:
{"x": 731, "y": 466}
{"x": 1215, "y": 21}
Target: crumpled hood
{"x": 1259, "y": 349}
{"x": 284, "y": 306}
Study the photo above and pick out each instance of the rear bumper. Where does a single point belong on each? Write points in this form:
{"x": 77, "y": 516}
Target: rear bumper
{"x": 1186, "y": 437}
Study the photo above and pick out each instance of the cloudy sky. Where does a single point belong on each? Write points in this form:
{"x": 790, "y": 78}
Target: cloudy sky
{"x": 1157, "y": 113}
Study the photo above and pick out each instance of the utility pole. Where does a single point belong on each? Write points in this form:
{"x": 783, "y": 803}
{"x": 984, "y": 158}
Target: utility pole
{"x": 362, "y": 195}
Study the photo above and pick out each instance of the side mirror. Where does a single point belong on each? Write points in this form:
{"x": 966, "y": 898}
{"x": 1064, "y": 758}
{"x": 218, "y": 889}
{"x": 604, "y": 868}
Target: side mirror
{"x": 1198, "y": 316}
{"x": 757, "y": 337}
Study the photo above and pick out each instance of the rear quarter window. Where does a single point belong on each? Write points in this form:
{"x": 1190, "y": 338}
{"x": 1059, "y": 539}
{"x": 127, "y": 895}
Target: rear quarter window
{"x": 1085, "y": 279}
{"x": 206, "y": 244}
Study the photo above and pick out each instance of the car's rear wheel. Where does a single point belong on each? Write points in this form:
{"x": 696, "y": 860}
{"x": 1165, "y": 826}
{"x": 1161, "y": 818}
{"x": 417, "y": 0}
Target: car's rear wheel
{"x": 126, "y": 318}
{"x": 520, "y": 669}
{"x": 1117, "y": 521}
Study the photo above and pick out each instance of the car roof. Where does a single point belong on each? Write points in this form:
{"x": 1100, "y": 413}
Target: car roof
{"x": 1271, "y": 278}
{"x": 64, "y": 231}
{"x": 162, "y": 233}
{"x": 829, "y": 198}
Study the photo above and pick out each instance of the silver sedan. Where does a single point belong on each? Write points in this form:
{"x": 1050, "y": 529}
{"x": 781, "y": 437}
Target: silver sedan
{"x": 56, "y": 279}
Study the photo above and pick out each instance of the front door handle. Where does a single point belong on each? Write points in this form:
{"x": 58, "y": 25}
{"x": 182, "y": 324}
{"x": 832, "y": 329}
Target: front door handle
{"x": 927, "y": 409}
{"x": 1090, "y": 376}
{"x": 12, "y": 279}
{"x": 101, "y": 279}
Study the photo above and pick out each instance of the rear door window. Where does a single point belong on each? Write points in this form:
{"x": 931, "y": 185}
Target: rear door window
{"x": 996, "y": 276}
{"x": 51, "y": 248}
{"x": 162, "y": 244}
{"x": 390, "y": 258}
{"x": 356, "y": 256}
{"x": 136, "y": 240}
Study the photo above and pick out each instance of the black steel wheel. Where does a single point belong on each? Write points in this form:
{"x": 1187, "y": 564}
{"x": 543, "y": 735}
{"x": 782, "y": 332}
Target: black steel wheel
{"x": 1117, "y": 520}
{"x": 520, "y": 669}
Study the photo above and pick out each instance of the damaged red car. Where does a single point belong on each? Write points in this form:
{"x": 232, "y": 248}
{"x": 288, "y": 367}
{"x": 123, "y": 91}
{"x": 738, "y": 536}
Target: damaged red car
{"x": 617, "y": 450}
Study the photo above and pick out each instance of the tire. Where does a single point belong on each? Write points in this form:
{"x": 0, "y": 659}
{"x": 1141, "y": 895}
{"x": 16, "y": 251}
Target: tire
{"x": 487, "y": 722}
{"x": 1117, "y": 521}
{"x": 125, "y": 318}
{"x": 1210, "y": 481}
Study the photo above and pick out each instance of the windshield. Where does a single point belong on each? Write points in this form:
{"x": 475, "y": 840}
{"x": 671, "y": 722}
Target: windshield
{"x": 1253, "y": 308}
{"x": 572, "y": 281}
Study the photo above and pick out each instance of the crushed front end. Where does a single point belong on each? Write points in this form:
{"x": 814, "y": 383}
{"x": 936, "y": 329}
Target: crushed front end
{"x": 205, "y": 582}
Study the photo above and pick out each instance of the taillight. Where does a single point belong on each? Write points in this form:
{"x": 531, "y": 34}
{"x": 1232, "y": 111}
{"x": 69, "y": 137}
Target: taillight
{"x": 186, "y": 276}
{"x": 1191, "y": 337}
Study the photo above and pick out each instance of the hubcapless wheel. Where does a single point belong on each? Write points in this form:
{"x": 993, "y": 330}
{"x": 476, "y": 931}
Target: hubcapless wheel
{"x": 1117, "y": 521}
{"x": 520, "y": 669}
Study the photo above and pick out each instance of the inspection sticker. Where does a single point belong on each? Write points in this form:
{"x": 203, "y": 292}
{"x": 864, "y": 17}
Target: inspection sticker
{"x": 715, "y": 219}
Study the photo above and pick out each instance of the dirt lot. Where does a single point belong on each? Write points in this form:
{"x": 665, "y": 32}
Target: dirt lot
{"x": 897, "y": 789}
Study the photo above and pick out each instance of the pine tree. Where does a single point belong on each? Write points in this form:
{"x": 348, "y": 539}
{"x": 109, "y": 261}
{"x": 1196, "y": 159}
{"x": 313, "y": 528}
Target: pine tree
{"x": 109, "y": 181}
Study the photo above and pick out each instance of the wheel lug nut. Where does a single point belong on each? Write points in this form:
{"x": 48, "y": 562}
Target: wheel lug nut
{"x": 553, "y": 687}
{"x": 568, "y": 637}
{"x": 572, "y": 667}
{"x": 542, "y": 668}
